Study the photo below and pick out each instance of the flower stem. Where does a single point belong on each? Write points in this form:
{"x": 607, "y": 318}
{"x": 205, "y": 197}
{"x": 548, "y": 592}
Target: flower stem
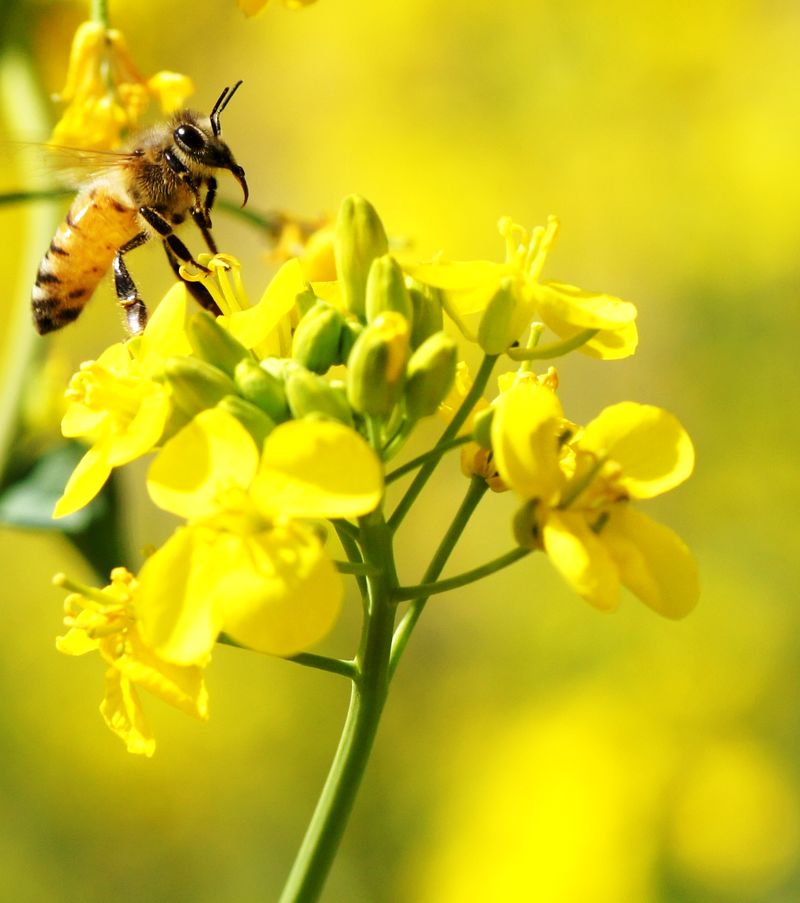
{"x": 475, "y": 492}
{"x": 99, "y": 12}
{"x": 435, "y": 453}
{"x": 443, "y": 586}
{"x": 367, "y": 698}
{"x": 424, "y": 473}
{"x": 23, "y": 349}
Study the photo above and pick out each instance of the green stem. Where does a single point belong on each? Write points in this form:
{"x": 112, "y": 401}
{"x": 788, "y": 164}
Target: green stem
{"x": 348, "y": 537}
{"x": 21, "y": 100}
{"x": 354, "y": 567}
{"x": 272, "y": 223}
{"x": 368, "y": 695}
{"x": 323, "y": 663}
{"x": 99, "y": 12}
{"x": 404, "y": 593}
{"x": 475, "y": 492}
{"x": 424, "y": 473}
{"x": 308, "y": 659}
{"x": 434, "y": 453}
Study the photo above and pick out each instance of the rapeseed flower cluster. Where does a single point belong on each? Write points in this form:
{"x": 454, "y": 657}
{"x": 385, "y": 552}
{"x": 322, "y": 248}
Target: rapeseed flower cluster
{"x": 277, "y": 416}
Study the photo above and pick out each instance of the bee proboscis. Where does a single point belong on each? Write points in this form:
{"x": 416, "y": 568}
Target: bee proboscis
{"x": 163, "y": 175}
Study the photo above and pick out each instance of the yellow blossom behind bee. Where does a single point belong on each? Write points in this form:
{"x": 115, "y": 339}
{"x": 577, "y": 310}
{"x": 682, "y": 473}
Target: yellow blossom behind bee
{"x": 106, "y": 94}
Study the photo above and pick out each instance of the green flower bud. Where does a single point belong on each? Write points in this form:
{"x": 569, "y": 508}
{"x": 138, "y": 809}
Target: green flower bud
{"x": 427, "y": 318}
{"x": 498, "y": 326}
{"x": 481, "y": 427}
{"x": 360, "y": 238}
{"x": 377, "y": 365}
{"x": 386, "y": 289}
{"x": 262, "y": 388}
{"x": 252, "y": 418}
{"x": 526, "y": 526}
{"x": 196, "y": 385}
{"x": 430, "y": 375}
{"x": 351, "y": 330}
{"x": 316, "y": 340}
{"x": 305, "y": 300}
{"x": 213, "y": 343}
{"x": 309, "y": 395}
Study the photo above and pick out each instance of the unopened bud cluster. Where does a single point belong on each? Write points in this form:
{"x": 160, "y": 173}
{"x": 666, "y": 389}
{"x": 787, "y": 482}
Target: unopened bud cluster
{"x": 378, "y": 351}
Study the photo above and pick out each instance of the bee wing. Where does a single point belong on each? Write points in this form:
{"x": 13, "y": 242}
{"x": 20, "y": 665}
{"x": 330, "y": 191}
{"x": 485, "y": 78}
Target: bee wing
{"x": 70, "y": 166}
{"x": 74, "y": 165}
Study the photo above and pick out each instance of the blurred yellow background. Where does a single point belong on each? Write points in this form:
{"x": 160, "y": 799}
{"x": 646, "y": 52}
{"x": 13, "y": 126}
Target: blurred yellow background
{"x": 533, "y": 749}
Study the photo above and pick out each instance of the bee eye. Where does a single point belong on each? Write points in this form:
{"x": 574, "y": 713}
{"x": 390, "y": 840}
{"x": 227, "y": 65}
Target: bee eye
{"x": 189, "y": 137}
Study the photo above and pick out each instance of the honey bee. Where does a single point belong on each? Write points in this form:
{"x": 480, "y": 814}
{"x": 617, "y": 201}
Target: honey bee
{"x": 165, "y": 174}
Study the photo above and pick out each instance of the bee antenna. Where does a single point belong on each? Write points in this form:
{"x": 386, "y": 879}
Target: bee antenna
{"x": 222, "y": 101}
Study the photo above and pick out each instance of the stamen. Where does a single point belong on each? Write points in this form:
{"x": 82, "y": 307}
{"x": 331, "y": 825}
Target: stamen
{"x": 546, "y": 240}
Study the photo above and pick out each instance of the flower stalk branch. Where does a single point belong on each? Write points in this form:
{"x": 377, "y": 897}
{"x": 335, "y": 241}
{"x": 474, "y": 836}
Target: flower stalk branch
{"x": 408, "y": 593}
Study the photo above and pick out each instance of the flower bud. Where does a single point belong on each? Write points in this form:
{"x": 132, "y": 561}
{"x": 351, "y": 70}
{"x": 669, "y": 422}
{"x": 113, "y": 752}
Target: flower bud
{"x": 377, "y": 364}
{"x": 252, "y": 418}
{"x": 196, "y": 385}
{"x": 262, "y": 388}
{"x": 305, "y": 300}
{"x": 499, "y": 326}
{"x": 430, "y": 375}
{"x": 386, "y": 289}
{"x": 213, "y": 343}
{"x": 360, "y": 238}
{"x": 351, "y": 330}
{"x": 526, "y": 526}
{"x": 427, "y": 317}
{"x": 309, "y": 394}
{"x": 316, "y": 340}
{"x": 482, "y": 427}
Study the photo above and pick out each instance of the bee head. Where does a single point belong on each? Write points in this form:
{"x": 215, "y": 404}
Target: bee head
{"x": 201, "y": 144}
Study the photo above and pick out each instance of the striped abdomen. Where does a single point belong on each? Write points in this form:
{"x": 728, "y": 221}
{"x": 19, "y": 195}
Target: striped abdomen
{"x": 94, "y": 229}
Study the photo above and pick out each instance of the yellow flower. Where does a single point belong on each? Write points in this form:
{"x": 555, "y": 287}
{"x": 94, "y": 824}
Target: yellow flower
{"x": 567, "y": 310}
{"x": 106, "y": 621}
{"x": 118, "y": 406}
{"x": 476, "y": 460}
{"x": 578, "y": 489}
{"x": 105, "y": 92}
{"x": 311, "y": 241}
{"x": 264, "y": 327}
{"x": 246, "y": 563}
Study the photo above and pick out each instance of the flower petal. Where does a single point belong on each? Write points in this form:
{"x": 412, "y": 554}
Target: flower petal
{"x": 582, "y": 559}
{"x": 651, "y": 447}
{"x": 165, "y": 334}
{"x": 586, "y": 310}
{"x": 255, "y": 325}
{"x": 180, "y": 686}
{"x": 178, "y": 613}
{"x": 123, "y": 713}
{"x": 211, "y": 453}
{"x": 144, "y": 430}
{"x": 654, "y": 562}
{"x": 470, "y": 285}
{"x": 525, "y": 440}
{"x": 317, "y": 468}
{"x": 284, "y": 594}
{"x": 84, "y": 482}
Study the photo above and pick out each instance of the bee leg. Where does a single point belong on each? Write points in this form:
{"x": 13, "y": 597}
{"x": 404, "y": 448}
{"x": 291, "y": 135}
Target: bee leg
{"x": 127, "y": 293}
{"x": 198, "y": 291}
{"x": 201, "y": 214}
{"x": 203, "y": 223}
{"x": 157, "y": 222}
